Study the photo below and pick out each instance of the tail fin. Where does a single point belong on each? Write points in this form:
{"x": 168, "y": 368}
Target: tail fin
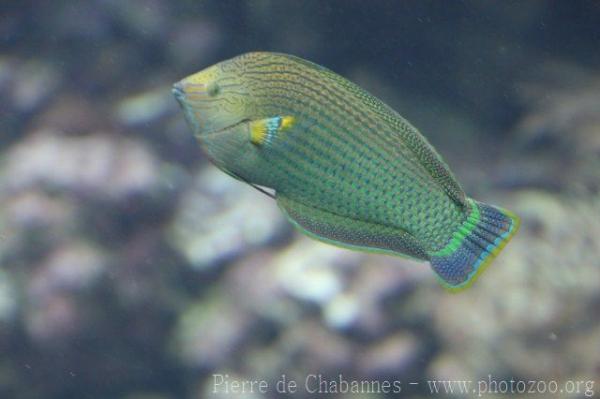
{"x": 476, "y": 243}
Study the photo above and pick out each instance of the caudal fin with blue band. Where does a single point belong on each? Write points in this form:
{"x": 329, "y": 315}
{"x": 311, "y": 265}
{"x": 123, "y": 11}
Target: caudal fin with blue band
{"x": 474, "y": 245}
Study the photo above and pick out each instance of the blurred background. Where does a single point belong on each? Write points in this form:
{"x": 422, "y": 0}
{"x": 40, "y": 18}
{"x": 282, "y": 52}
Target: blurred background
{"x": 131, "y": 268}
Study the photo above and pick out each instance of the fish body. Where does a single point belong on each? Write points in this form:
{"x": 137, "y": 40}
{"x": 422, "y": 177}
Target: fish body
{"x": 345, "y": 167}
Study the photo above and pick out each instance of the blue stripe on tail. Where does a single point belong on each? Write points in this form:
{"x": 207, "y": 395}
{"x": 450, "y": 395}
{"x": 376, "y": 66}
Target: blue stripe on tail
{"x": 476, "y": 243}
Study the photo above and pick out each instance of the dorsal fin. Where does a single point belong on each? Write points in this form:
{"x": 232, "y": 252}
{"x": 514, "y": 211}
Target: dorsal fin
{"x": 423, "y": 150}
{"x": 263, "y": 131}
{"x": 434, "y": 164}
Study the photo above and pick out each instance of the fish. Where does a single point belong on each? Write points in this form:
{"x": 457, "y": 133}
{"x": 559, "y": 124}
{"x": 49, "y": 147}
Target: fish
{"x": 343, "y": 166}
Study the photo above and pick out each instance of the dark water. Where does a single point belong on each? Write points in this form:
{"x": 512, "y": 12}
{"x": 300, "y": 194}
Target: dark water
{"x": 131, "y": 268}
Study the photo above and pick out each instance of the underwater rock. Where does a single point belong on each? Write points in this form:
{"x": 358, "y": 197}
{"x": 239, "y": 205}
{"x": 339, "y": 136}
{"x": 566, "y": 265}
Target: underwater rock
{"x": 342, "y": 311}
{"x": 219, "y": 218}
{"x": 54, "y": 321}
{"x": 395, "y": 355}
{"x": 51, "y": 186}
{"x": 74, "y": 267}
{"x": 303, "y": 273}
{"x": 313, "y": 271}
{"x": 373, "y": 281}
{"x": 582, "y": 350}
{"x": 449, "y": 368}
{"x": 349, "y": 287}
{"x": 208, "y": 332}
{"x": 54, "y": 290}
{"x": 308, "y": 347}
{"x": 27, "y": 214}
{"x": 98, "y": 165}
{"x": 384, "y": 286}
{"x": 70, "y": 113}
{"x": 254, "y": 285}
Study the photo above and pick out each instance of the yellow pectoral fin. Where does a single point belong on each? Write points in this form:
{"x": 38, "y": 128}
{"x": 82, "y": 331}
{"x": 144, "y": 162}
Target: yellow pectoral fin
{"x": 264, "y": 131}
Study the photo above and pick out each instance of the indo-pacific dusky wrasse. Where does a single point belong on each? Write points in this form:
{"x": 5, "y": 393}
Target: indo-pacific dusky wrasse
{"x": 344, "y": 167}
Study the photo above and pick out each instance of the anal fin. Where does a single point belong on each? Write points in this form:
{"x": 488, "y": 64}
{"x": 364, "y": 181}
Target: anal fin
{"x": 350, "y": 233}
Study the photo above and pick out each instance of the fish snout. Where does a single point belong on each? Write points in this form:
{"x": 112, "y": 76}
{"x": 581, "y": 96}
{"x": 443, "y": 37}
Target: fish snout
{"x": 178, "y": 91}
{"x": 192, "y": 97}
{"x": 184, "y": 89}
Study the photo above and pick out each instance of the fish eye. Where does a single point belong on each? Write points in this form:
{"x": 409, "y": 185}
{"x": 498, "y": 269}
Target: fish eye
{"x": 213, "y": 89}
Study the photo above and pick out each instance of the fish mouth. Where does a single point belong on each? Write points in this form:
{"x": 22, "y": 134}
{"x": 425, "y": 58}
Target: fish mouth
{"x": 178, "y": 91}
{"x": 184, "y": 90}
{"x": 187, "y": 94}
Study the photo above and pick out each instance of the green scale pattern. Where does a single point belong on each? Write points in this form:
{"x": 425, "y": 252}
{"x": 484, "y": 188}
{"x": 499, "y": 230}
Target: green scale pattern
{"x": 346, "y": 154}
{"x": 346, "y": 169}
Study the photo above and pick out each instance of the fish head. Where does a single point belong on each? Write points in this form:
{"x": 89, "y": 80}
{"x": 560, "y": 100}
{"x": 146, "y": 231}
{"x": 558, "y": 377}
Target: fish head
{"x": 219, "y": 103}
{"x": 215, "y": 98}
